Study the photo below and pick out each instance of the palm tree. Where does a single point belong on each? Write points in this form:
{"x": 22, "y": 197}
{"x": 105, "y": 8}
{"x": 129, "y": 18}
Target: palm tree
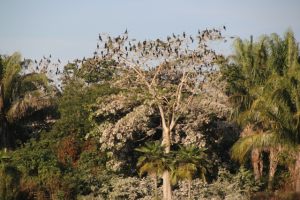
{"x": 276, "y": 107}
{"x": 189, "y": 160}
{"x": 246, "y": 72}
{"x": 20, "y": 96}
{"x": 153, "y": 161}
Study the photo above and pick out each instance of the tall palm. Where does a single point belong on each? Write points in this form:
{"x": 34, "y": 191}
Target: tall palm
{"x": 153, "y": 161}
{"x": 189, "y": 160}
{"x": 246, "y": 72}
{"x": 20, "y": 95}
{"x": 276, "y": 108}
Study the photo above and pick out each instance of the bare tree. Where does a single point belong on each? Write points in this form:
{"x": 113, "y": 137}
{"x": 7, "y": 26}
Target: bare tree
{"x": 171, "y": 73}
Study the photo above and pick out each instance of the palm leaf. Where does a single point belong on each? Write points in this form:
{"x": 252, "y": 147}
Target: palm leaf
{"x": 31, "y": 102}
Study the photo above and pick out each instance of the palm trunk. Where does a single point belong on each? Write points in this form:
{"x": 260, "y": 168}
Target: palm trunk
{"x": 190, "y": 185}
{"x": 296, "y": 172}
{"x": 273, "y": 157}
{"x": 294, "y": 169}
{"x": 257, "y": 163}
{"x": 155, "y": 185}
{"x": 167, "y": 191}
{"x": 3, "y": 133}
{"x": 3, "y": 122}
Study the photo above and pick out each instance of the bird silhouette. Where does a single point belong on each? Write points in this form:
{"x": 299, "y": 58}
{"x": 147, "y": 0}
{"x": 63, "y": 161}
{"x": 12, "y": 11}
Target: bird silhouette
{"x": 224, "y": 27}
{"x": 100, "y": 38}
{"x": 192, "y": 39}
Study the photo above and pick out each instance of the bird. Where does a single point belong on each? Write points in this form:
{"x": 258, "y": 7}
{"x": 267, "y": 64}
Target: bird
{"x": 191, "y": 39}
{"x": 35, "y": 61}
{"x": 126, "y": 31}
{"x": 183, "y": 34}
{"x": 97, "y": 46}
{"x": 224, "y": 27}
{"x": 50, "y": 56}
{"x": 100, "y": 38}
{"x": 58, "y": 60}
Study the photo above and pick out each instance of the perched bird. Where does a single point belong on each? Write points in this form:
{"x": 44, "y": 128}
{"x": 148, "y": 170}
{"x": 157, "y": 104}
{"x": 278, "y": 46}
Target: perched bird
{"x": 224, "y": 27}
{"x": 183, "y": 34}
{"x": 100, "y": 38}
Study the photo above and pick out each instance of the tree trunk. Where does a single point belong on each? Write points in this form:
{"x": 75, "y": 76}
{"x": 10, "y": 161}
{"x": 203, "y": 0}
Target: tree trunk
{"x": 155, "y": 185}
{"x": 190, "y": 185}
{"x": 257, "y": 163}
{"x": 296, "y": 172}
{"x": 166, "y": 142}
{"x": 3, "y": 122}
{"x": 273, "y": 157}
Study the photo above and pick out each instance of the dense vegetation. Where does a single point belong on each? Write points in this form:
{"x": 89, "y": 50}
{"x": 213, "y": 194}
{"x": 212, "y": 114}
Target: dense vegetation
{"x": 154, "y": 119}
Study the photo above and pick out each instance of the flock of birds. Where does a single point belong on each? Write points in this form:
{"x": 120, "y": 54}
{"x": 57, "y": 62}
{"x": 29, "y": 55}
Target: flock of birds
{"x": 147, "y": 53}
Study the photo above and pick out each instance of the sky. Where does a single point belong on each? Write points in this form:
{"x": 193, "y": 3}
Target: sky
{"x": 68, "y": 29}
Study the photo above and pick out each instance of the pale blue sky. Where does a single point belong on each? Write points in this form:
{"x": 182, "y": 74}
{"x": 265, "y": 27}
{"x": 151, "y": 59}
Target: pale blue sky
{"x": 68, "y": 29}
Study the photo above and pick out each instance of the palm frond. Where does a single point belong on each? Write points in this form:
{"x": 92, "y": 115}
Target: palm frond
{"x": 245, "y": 145}
{"x": 31, "y": 102}
{"x": 11, "y": 70}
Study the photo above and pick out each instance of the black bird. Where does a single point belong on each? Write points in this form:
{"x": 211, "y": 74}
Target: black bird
{"x": 126, "y": 31}
{"x": 224, "y": 27}
{"x": 191, "y": 39}
{"x": 183, "y": 34}
{"x": 100, "y": 38}
{"x": 97, "y": 46}
{"x": 58, "y": 60}
{"x": 50, "y": 56}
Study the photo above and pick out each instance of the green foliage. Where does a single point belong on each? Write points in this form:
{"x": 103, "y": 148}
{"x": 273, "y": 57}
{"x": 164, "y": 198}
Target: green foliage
{"x": 153, "y": 160}
{"x": 74, "y": 107}
{"x": 187, "y": 161}
{"x": 9, "y": 176}
{"x": 21, "y": 97}
{"x": 227, "y": 186}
